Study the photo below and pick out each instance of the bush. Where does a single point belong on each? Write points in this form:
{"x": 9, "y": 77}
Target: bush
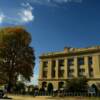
{"x": 78, "y": 85}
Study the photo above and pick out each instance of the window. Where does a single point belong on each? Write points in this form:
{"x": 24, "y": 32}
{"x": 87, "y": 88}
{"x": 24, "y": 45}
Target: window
{"x": 53, "y": 68}
{"x": 71, "y": 70}
{"x": 44, "y": 74}
{"x": 81, "y": 61}
{"x": 53, "y": 63}
{"x": 82, "y": 70}
{"x": 90, "y": 60}
{"x": 91, "y": 72}
{"x": 53, "y": 74}
{"x": 61, "y": 62}
{"x": 44, "y": 84}
{"x": 61, "y": 85}
{"x": 45, "y": 65}
{"x": 70, "y": 75}
{"x": 61, "y": 73}
{"x": 91, "y": 69}
{"x": 70, "y": 62}
{"x": 81, "y": 74}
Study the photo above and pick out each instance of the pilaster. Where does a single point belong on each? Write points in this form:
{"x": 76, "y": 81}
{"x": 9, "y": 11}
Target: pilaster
{"x": 75, "y": 66}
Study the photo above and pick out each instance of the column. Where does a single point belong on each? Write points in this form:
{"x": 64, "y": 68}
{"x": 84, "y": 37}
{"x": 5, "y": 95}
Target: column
{"x": 41, "y": 70}
{"x": 76, "y": 67}
{"x": 57, "y": 69}
{"x": 65, "y": 69}
{"x": 96, "y": 66}
{"x": 40, "y": 84}
{"x": 49, "y": 69}
{"x": 86, "y": 66}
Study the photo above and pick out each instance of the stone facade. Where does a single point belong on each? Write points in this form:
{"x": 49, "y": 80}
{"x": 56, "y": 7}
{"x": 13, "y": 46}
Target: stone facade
{"x": 57, "y": 67}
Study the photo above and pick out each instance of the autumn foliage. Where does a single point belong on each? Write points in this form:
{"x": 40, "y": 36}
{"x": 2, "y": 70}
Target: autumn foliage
{"x": 16, "y": 54}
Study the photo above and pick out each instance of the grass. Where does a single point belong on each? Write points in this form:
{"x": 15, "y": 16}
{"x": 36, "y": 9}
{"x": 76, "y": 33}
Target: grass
{"x": 19, "y": 97}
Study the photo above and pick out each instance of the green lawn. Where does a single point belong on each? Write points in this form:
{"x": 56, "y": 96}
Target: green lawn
{"x": 16, "y": 97}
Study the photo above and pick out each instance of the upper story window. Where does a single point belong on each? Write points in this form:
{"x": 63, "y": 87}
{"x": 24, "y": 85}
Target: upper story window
{"x": 81, "y": 75}
{"x": 91, "y": 69}
{"x": 81, "y": 61}
{"x": 53, "y": 74}
{"x": 61, "y": 62}
{"x": 61, "y": 73}
{"x": 91, "y": 74}
{"x": 71, "y": 70}
{"x": 53, "y": 63}
{"x": 70, "y": 75}
{"x": 90, "y": 60}
{"x": 82, "y": 70}
{"x": 70, "y": 62}
{"x": 44, "y": 74}
{"x": 45, "y": 64}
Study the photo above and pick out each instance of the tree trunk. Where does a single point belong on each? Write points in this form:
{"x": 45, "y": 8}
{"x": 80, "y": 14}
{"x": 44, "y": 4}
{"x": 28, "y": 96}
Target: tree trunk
{"x": 9, "y": 88}
{"x": 10, "y": 83}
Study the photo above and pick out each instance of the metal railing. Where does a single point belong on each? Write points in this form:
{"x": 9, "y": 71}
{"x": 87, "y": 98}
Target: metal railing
{"x": 65, "y": 94}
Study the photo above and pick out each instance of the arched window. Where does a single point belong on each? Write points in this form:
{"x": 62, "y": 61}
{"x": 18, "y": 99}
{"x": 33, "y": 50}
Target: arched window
{"x": 44, "y": 84}
{"x": 50, "y": 87}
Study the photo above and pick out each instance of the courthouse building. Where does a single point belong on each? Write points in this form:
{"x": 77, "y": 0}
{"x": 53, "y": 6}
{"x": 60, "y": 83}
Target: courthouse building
{"x": 57, "y": 67}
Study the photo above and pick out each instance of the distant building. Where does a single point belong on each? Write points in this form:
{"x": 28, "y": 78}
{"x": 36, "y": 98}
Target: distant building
{"x": 57, "y": 67}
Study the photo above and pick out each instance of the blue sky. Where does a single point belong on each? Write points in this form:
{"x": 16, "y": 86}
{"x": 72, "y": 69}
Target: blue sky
{"x": 54, "y": 24}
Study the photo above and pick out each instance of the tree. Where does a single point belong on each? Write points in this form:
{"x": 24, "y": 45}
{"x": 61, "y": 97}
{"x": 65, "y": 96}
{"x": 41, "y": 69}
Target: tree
{"x": 77, "y": 85}
{"x": 31, "y": 89}
{"x": 16, "y": 54}
{"x": 19, "y": 87}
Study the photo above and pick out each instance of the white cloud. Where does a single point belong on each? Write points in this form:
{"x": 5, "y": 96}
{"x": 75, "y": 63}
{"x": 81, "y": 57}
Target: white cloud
{"x": 27, "y": 5}
{"x": 43, "y": 2}
{"x": 1, "y": 18}
{"x": 25, "y": 13}
{"x": 66, "y": 1}
{"x": 53, "y": 2}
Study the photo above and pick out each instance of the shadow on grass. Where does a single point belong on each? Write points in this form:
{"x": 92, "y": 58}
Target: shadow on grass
{"x": 7, "y": 98}
{"x": 74, "y": 98}
{"x": 56, "y": 98}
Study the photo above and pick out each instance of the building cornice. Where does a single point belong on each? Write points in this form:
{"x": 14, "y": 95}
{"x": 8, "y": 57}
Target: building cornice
{"x": 89, "y": 79}
{"x": 70, "y": 52}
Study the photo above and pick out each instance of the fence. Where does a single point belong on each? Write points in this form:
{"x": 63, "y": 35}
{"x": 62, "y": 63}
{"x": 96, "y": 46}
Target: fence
{"x": 65, "y": 94}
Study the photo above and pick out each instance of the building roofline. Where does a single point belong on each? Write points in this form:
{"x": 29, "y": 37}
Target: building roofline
{"x": 71, "y": 51}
